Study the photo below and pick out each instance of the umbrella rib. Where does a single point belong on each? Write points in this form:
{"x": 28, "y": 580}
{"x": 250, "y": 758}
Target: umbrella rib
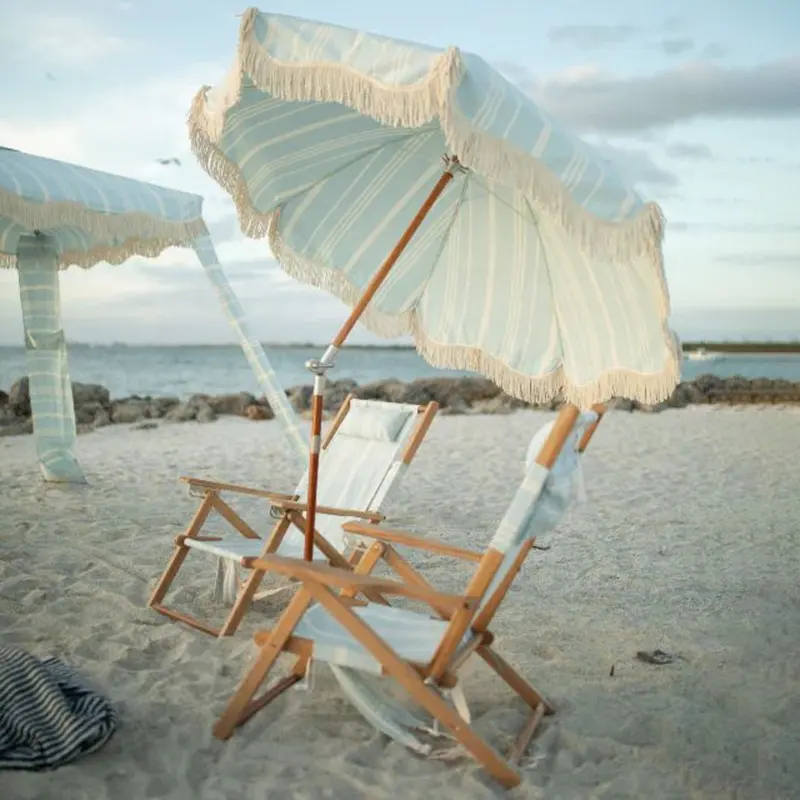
{"x": 547, "y": 270}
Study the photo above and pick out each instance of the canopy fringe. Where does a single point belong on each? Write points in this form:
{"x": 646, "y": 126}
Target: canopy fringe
{"x": 137, "y": 234}
{"x": 648, "y": 389}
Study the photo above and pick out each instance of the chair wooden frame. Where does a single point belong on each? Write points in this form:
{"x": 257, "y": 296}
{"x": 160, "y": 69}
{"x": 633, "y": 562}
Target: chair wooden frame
{"x": 336, "y": 590}
{"x": 291, "y": 512}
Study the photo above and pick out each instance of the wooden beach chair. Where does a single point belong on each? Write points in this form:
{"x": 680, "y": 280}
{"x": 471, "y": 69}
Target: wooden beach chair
{"x": 368, "y": 448}
{"x": 423, "y": 653}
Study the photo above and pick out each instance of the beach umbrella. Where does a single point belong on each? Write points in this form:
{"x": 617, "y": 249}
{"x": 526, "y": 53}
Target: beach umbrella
{"x": 439, "y": 201}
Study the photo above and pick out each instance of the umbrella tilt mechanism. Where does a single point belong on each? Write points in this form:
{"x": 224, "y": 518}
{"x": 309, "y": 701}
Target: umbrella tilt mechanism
{"x": 319, "y": 367}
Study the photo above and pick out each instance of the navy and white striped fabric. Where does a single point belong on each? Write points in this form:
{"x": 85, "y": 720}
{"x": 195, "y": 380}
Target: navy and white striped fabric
{"x": 48, "y": 715}
{"x": 538, "y": 266}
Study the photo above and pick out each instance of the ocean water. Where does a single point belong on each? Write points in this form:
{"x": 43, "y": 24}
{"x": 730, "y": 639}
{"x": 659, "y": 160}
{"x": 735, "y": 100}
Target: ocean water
{"x": 182, "y": 371}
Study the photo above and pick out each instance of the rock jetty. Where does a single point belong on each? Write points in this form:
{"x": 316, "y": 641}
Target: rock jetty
{"x": 94, "y": 407}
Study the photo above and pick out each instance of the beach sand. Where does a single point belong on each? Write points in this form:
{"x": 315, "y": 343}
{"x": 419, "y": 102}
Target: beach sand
{"x": 688, "y": 543}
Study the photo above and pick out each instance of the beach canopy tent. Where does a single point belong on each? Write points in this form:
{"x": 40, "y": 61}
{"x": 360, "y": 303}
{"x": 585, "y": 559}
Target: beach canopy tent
{"x": 54, "y": 215}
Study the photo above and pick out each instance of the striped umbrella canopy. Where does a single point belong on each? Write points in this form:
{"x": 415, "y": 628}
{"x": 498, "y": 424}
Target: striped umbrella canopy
{"x": 537, "y": 266}
{"x": 421, "y": 187}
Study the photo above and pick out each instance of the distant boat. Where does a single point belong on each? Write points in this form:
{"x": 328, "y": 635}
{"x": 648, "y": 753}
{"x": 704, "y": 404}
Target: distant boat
{"x": 701, "y": 354}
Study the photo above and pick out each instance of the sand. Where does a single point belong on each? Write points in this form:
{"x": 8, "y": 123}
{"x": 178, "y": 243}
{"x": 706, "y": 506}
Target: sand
{"x": 688, "y": 543}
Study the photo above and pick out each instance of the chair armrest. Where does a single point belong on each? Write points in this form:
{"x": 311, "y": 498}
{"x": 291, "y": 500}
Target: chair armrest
{"x": 412, "y": 540}
{"x": 296, "y": 505}
{"x": 336, "y": 578}
{"x": 216, "y": 486}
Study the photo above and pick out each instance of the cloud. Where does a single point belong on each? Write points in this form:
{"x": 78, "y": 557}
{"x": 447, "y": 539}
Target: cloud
{"x": 636, "y": 166}
{"x": 688, "y": 151}
{"x": 591, "y": 100}
{"x": 676, "y": 47}
{"x": 714, "y": 50}
{"x": 39, "y": 31}
{"x": 589, "y": 37}
{"x": 123, "y": 132}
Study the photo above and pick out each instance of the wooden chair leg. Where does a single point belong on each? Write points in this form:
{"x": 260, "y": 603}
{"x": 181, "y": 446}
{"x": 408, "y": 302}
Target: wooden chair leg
{"x": 169, "y": 575}
{"x": 238, "y": 709}
{"x": 243, "y": 601}
{"x": 297, "y": 674}
{"x": 181, "y": 551}
{"x": 410, "y": 680}
{"x": 505, "y": 671}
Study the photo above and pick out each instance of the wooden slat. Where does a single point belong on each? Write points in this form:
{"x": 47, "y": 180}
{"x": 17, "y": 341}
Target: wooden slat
{"x": 185, "y": 618}
{"x": 600, "y": 410}
{"x": 295, "y": 505}
{"x": 565, "y": 422}
{"x": 344, "y": 410}
{"x": 217, "y": 486}
{"x": 342, "y": 579}
{"x": 525, "y": 735}
{"x": 420, "y": 431}
{"x": 412, "y": 540}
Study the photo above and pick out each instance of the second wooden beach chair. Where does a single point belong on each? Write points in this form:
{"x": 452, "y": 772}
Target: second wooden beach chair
{"x": 369, "y": 446}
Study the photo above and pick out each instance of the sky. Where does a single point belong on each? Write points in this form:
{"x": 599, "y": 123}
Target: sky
{"x": 698, "y": 103}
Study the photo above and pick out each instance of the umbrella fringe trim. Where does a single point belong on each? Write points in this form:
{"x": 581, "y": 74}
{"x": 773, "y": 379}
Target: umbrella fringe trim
{"x": 144, "y": 235}
{"x": 648, "y": 389}
{"x": 413, "y": 106}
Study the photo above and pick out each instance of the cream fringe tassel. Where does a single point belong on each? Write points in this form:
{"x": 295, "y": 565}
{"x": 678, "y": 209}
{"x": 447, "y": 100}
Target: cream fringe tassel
{"x": 141, "y": 234}
{"x": 411, "y": 107}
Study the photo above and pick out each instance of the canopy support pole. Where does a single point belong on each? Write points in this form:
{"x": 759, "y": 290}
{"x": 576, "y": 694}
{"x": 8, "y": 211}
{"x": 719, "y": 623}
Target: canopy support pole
{"x": 320, "y": 368}
{"x": 254, "y": 352}
{"x": 49, "y": 386}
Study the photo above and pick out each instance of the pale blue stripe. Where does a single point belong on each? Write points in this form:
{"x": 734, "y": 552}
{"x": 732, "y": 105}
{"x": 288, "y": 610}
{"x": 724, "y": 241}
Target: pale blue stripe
{"x": 52, "y": 406}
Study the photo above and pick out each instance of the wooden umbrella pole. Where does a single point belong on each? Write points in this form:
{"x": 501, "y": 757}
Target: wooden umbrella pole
{"x": 319, "y": 368}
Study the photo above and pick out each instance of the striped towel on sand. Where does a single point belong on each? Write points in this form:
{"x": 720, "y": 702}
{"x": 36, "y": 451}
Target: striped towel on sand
{"x": 48, "y": 716}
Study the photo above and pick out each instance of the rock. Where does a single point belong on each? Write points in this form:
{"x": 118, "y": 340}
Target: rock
{"x": 256, "y": 411}
{"x": 135, "y": 408}
{"x": 234, "y": 404}
{"x": 129, "y": 410}
{"x": 335, "y": 393}
{"x": 17, "y": 428}
{"x": 622, "y": 404}
{"x": 19, "y": 399}
{"x": 502, "y": 404}
{"x": 195, "y": 408}
{"x": 87, "y": 413}
{"x": 3, "y": 399}
{"x": 381, "y": 390}
{"x": 102, "y": 419}
{"x": 206, "y": 414}
{"x": 90, "y": 393}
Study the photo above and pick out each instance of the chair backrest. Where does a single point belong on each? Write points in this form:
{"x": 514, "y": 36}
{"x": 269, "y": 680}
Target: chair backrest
{"x": 372, "y": 444}
{"x": 541, "y": 500}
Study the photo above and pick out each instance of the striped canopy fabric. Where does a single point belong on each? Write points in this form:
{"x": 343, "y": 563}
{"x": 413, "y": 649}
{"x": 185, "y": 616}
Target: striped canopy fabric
{"x": 89, "y": 216}
{"x": 538, "y": 266}
{"x": 53, "y": 215}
